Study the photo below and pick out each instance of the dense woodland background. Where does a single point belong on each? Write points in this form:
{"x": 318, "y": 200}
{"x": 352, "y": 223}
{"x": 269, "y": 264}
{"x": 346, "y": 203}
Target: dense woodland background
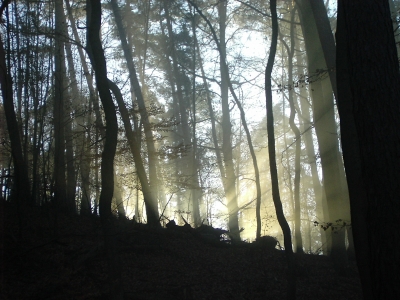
{"x": 196, "y": 115}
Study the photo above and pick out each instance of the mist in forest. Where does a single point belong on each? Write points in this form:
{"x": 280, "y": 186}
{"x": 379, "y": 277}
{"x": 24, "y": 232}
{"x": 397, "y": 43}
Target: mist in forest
{"x": 178, "y": 112}
{"x": 154, "y": 112}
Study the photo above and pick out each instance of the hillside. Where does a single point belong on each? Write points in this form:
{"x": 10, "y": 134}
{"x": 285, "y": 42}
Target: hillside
{"x": 156, "y": 264}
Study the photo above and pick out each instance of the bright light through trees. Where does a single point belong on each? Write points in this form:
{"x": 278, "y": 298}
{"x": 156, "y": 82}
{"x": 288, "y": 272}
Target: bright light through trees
{"x": 187, "y": 81}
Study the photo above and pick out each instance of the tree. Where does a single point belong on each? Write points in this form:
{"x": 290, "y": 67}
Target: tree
{"x": 151, "y": 198}
{"x": 296, "y": 131}
{"x": 150, "y": 202}
{"x": 21, "y": 187}
{"x": 151, "y": 187}
{"x": 60, "y": 187}
{"x": 291, "y": 291}
{"x": 326, "y": 38}
{"x": 178, "y": 59}
{"x": 71, "y": 96}
{"x": 98, "y": 60}
{"x": 85, "y": 207}
{"x": 229, "y": 180}
{"x": 326, "y": 129}
{"x": 368, "y": 98}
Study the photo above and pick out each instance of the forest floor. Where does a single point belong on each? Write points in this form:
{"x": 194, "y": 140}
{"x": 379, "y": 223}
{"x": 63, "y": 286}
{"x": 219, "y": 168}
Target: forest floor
{"x": 155, "y": 263}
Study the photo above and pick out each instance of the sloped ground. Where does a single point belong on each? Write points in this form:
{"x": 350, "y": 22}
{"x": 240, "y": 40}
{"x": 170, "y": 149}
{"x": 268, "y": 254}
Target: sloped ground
{"x": 156, "y": 264}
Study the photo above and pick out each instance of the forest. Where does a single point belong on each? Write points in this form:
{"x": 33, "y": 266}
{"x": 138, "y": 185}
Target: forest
{"x": 197, "y": 149}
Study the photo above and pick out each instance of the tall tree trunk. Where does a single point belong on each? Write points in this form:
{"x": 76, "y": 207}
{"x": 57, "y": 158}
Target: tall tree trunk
{"x": 153, "y": 178}
{"x": 369, "y": 93}
{"x": 230, "y": 174}
{"x": 322, "y": 212}
{"x": 142, "y": 60}
{"x": 328, "y": 47}
{"x": 93, "y": 102}
{"x": 69, "y": 139}
{"x": 22, "y": 188}
{"x": 296, "y": 131}
{"x": 38, "y": 119}
{"x": 59, "y": 116}
{"x": 97, "y": 58}
{"x": 196, "y": 189}
{"x": 20, "y": 69}
{"x": 28, "y": 59}
{"x": 326, "y": 130}
{"x": 69, "y": 155}
{"x": 83, "y": 149}
{"x": 177, "y": 132}
{"x": 180, "y": 81}
{"x": 291, "y": 289}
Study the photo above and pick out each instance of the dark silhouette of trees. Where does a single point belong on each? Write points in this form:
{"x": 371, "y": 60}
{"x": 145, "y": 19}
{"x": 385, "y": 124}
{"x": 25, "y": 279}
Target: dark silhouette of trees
{"x": 150, "y": 202}
{"x": 368, "y": 99}
{"x": 60, "y": 187}
{"x": 291, "y": 288}
{"x": 85, "y": 136}
{"x": 21, "y": 188}
{"x": 150, "y": 187}
{"x": 107, "y": 163}
{"x": 183, "y": 80}
{"x": 181, "y": 87}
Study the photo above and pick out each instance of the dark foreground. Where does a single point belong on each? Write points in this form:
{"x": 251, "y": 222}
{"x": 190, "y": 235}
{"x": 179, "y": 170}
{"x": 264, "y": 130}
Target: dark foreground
{"x": 156, "y": 264}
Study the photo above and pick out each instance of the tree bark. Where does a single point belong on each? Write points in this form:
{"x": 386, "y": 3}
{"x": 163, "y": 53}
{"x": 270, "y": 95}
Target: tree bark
{"x": 369, "y": 93}
{"x": 59, "y": 128}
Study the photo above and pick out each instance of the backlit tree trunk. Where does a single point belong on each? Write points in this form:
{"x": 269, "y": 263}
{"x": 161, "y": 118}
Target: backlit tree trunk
{"x": 107, "y": 158}
{"x": 230, "y": 174}
{"x": 291, "y": 288}
{"x": 296, "y": 131}
{"x": 369, "y": 93}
